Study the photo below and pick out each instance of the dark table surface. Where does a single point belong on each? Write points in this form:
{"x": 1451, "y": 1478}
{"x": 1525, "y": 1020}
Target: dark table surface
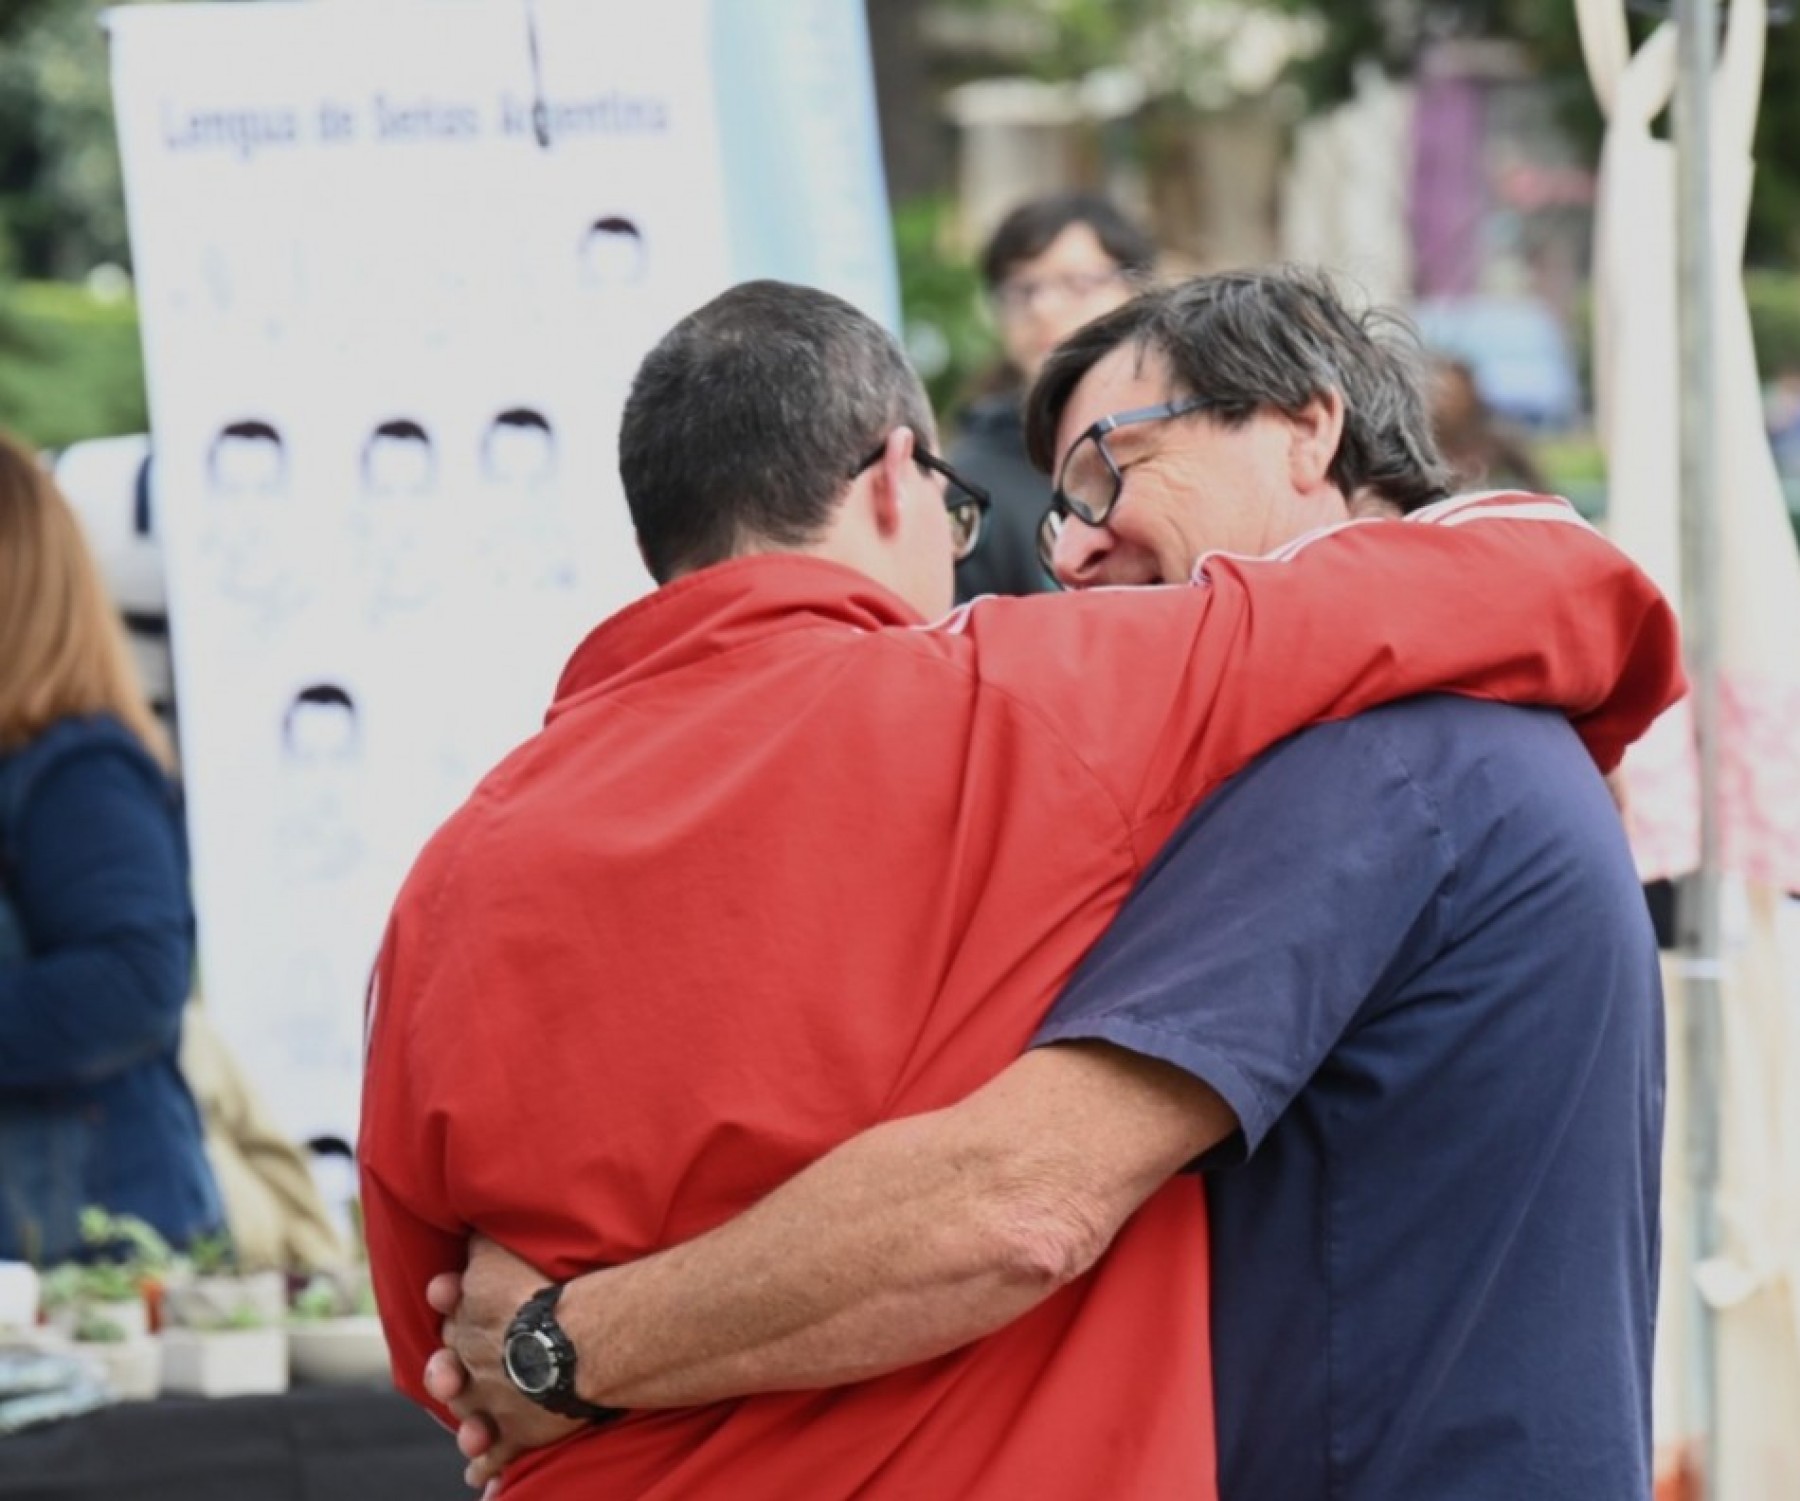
{"x": 320, "y": 1443}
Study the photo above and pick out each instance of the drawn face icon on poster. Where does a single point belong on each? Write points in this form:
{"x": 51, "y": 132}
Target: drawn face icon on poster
{"x": 397, "y": 472}
{"x": 613, "y": 252}
{"x": 249, "y": 526}
{"x": 528, "y": 544}
{"x": 321, "y": 757}
{"x": 518, "y": 451}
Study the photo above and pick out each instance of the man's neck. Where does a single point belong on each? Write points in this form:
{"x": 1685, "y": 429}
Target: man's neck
{"x": 1366, "y": 504}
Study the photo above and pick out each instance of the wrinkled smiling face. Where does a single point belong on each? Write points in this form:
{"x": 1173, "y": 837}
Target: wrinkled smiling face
{"x": 1187, "y": 484}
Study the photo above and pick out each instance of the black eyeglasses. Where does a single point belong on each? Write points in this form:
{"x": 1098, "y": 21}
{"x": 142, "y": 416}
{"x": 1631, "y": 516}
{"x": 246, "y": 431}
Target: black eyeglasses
{"x": 966, "y": 502}
{"x": 1089, "y": 482}
{"x": 1016, "y": 296}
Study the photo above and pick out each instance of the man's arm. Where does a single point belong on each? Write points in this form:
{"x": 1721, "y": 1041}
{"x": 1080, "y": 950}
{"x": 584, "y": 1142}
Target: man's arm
{"x": 1165, "y": 693}
{"x": 1242, "y": 957}
{"x": 919, "y": 1235}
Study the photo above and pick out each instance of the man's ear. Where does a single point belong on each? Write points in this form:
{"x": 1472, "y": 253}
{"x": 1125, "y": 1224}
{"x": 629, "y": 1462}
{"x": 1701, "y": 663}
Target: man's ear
{"x": 1315, "y": 431}
{"x": 887, "y": 488}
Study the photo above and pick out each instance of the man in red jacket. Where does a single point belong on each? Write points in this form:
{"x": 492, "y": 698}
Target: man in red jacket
{"x": 786, "y": 863}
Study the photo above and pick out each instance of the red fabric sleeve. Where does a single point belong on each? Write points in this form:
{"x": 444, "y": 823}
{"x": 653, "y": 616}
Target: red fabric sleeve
{"x": 405, "y": 1253}
{"x": 406, "y": 1250}
{"x": 1166, "y": 692}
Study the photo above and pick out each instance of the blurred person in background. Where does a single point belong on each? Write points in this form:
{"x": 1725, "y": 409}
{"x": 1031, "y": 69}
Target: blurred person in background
{"x": 96, "y": 924}
{"x": 1485, "y": 452}
{"x": 1051, "y": 265}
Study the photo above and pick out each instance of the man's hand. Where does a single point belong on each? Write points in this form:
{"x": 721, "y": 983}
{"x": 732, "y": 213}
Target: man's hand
{"x": 498, "y": 1423}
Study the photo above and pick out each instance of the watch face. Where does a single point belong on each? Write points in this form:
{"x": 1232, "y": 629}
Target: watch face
{"x": 530, "y": 1362}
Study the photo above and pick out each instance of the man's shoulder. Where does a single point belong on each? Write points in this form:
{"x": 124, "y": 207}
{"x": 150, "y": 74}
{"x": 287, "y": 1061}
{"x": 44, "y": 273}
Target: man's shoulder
{"x": 1071, "y": 660}
{"x": 1453, "y": 764}
{"x": 1438, "y": 732}
{"x": 1441, "y": 732}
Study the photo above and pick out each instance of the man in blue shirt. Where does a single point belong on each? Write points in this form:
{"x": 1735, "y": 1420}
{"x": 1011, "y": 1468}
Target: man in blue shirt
{"x": 1393, "y": 986}
{"x": 1409, "y": 952}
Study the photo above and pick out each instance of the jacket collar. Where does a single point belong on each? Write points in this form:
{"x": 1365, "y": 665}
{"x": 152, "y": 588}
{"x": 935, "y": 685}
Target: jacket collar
{"x": 719, "y": 609}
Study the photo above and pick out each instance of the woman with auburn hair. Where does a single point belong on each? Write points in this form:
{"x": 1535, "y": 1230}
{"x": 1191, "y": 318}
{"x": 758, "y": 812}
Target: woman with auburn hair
{"x": 96, "y": 926}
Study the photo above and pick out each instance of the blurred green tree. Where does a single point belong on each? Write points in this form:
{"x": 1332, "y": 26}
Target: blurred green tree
{"x": 62, "y": 206}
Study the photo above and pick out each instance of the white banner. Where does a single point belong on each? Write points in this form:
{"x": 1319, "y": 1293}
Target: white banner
{"x": 397, "y": 263}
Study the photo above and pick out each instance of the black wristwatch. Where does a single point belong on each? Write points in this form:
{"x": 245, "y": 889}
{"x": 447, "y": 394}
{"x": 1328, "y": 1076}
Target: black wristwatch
{"x": 540, "y": 1360}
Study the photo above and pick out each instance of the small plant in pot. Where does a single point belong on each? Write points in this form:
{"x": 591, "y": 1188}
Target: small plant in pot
{"x": 101, "y": 1300}
{"x": 334, "y": 1337}
{"x": 222, "y": 1330}
{"x": 209, "y": 1289}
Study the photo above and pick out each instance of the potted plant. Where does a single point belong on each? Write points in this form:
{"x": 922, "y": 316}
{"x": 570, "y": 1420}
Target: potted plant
{"x": 242, "y": 1355}
{"x": 100, "y": 1301}
{"x": 334, "y": 1337}
{"x": 209, "y": 1289}
{"x": 105, "y": 1292}
{"x": 222, "y": 1327}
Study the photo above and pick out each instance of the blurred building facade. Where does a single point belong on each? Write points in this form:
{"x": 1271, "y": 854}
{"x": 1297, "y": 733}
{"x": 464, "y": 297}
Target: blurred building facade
{"x": 1450, "y": 187}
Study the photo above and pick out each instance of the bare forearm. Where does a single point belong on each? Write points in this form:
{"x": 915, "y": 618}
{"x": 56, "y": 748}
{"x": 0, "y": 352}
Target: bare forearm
{"x": 909, "y": 1241}
{"x": 868, "y": 1261}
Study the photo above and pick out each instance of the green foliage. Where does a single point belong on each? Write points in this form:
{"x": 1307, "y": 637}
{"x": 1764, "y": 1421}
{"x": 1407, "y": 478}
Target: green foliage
{"x": 212, "y": 1255}
{"x": 1074, "y": 37}
{"x": 123, "y": 1252}
{"x": 62, "y": 206}
{"x": 334, "y": 1295}
{"x": 94, "y": 1328}
{"x": 317, "y": 1301}
{"x": 948, "y": 332}
{"x": 79, "y": 1284}
{"x": 71, "y": 366}
{"x": 125, "y": 1240}
{"x": 245, "y": 1316}
{"x": 1774, "y": 298}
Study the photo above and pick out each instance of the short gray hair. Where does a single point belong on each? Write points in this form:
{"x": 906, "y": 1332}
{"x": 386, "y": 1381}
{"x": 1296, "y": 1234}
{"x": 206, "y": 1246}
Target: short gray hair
{"x": 1271, "y": 340}
{"x": 745, "y": 422}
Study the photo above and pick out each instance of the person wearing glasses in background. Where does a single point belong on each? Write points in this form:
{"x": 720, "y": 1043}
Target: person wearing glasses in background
{"x": 788, "y": 861}
{"x": 1051, "y": 265}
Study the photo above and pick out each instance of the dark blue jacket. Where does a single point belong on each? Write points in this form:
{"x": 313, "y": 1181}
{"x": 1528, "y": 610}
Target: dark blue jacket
{"x": 990, "y": 450}
{"x": 96, "y": 956}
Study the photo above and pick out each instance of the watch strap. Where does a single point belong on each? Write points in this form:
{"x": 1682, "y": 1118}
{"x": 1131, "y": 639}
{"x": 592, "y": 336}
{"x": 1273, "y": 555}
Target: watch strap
{"x": 537, "y": 1315}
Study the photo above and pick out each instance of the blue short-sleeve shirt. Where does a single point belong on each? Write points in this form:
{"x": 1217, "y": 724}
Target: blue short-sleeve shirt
{"x": 1411, "y": 952}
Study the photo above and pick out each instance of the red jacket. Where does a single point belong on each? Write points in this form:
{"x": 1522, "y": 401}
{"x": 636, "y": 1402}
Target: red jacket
{"x": 785, "y": 862}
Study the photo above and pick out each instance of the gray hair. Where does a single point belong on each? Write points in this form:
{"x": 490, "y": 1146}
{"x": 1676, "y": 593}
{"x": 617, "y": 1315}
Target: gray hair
{"x": 1273, "y": 340}
{"x": 747, "y": 420}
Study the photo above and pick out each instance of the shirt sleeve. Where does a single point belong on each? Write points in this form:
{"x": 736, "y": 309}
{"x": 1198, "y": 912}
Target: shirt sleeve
{"x": 405, "y": 1253}
{"x": 401, "y": 1141}
{"x": 1165, "y": 692}
{"x": 1292, "y": 897}
{"x": 100, "y": 884}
